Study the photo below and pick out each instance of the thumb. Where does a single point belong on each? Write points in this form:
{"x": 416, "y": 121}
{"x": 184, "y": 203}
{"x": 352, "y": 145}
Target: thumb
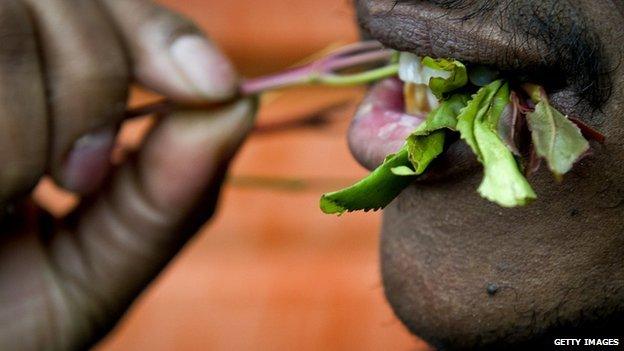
{"x": 169, "y": 54}
{"x": 153, "y": 204}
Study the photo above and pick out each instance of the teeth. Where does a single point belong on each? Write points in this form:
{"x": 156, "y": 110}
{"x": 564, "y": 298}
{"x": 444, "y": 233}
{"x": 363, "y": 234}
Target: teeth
{"x": 418, "y": 97}
{"x": 432, "y": 99}
{"x": 411, "y": 70}
{"x": 416, "y": 101}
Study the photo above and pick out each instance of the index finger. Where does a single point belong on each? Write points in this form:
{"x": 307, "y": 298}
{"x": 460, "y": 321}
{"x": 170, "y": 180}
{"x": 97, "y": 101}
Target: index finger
{"x": 170, "y": 55}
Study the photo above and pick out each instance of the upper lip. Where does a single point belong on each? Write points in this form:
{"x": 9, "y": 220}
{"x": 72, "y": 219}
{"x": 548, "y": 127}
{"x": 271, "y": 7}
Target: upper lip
{"x": 427, "y": 30}
{"x": 423, "y": 31}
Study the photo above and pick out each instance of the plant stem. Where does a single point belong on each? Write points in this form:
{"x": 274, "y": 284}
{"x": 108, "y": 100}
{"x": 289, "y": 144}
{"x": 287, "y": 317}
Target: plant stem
{"x": 337, "y": 80}
{"x": 358, "y": 47}
{"x": 320, "y": 72}
{"x": 293, "y": 77}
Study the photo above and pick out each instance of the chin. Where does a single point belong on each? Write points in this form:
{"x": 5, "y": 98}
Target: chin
{"x": 465, "y": 274}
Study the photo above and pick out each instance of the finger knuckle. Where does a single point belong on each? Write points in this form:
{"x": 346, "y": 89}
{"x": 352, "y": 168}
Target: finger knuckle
{"x": 97, "y": 72}
{"x": 16, "y": 34}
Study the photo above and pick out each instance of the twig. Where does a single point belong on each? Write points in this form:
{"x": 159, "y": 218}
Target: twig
{"x": 325, "y": 71}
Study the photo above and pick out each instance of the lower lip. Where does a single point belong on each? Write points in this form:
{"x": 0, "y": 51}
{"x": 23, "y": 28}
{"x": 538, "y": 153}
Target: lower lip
{"x": 381, "y": 125}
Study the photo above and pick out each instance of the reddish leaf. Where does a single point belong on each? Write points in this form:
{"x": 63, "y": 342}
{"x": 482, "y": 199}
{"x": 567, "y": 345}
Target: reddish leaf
{"x": 588, "y": 131}
{"x": 534, "y": 162}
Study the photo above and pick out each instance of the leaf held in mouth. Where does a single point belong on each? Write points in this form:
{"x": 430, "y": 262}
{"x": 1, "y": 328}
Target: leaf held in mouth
{"x": 478, "y": 106}
{"x": 457, "y": 79}
{"x": 385, "y": 183}
{"x": 507, "y": 128}
{"x": 492, "y": 122}
{"x": 403, "y": 171}
{"x": 375, "y": 191}
{"x": 427, "y": 141}
{"x": 503, "y": 183}
{"x": 424, "y": 149}
{"x": 557, "y": 139}
{"x": 511, "y": 123}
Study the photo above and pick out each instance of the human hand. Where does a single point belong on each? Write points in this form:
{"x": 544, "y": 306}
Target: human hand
{"x": 65, "y": 68}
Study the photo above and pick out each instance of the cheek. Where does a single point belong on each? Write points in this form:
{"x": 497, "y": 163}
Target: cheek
{"x": 463, "y": 273}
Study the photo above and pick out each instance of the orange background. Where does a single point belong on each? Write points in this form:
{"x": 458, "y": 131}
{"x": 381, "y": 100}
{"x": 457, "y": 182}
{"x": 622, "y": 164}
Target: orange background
{"x": 271, "y": 272}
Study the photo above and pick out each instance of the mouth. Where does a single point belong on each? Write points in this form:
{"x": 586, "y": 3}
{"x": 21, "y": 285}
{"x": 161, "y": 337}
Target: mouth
{"x": 382, "y": 122}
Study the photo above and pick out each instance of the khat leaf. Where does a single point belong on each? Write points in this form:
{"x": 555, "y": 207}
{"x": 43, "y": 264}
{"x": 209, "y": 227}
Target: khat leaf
{"x": 427, "y": 141}
{"x": 424, "y": 149}
{"x": 507, "y": 128}
{"x": 511, "y": 123}
{"x": 503, "y": 183}
{"x": 403, "y": 171}
{"x": 478, "y": 106}
{"x": 457, "y": 79}
{"x": 588, "y": 131}
{"x": 375, "y": 191}
{"x": 557, "y": 139}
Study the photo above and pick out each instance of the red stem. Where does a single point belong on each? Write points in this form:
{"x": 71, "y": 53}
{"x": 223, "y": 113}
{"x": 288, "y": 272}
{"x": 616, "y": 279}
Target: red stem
{"x": 291, "y": 77}
{"x": 351, "y": 56}
{"x": 355, "y": 48}
{"x": 588, "y": 131}
{"x": 355, "y": 61}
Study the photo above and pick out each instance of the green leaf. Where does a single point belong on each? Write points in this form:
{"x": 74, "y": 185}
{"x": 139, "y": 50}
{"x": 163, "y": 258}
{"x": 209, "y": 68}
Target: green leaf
{"x": 503, "y": 182}
{"x": 499, "y": 101}
{"x": 374, "y": 192}
{"x": 478, "y": 106}
{"x": 427, "y": 141}
{"x": 424, "y": 149}
{"x": 458, "y": 78}
{"x": 509, "y": 125}
{"x": 536, "y": 92}
{"x": 397, "y": 172}
{"x": 557, "y": 139}
{"x": 445, "y": 116}
{"x": 403, "y": 171}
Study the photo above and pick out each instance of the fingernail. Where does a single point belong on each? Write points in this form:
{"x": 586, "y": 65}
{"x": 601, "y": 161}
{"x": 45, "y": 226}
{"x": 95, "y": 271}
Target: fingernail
{"x": 88, "y": 163}
{"x": 204, "y": 67}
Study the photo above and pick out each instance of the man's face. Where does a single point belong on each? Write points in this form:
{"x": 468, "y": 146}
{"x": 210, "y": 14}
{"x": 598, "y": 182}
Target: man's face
{"x": 462, "y": 272}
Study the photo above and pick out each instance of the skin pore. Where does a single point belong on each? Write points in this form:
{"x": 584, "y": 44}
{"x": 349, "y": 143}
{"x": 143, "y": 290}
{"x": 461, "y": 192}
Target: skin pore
{"x": 464, "y": 273}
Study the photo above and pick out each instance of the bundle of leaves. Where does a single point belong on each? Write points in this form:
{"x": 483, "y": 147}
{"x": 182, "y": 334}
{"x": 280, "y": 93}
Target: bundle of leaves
{"x": 486, "y": 112}
{"x": 491, "y": 121}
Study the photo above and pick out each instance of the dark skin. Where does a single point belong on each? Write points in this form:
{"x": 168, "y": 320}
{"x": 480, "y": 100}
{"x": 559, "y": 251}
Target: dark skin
{"x": 459, "y": 271}
{"x": 463, "y": 273}
{"x": 66, "y": 67}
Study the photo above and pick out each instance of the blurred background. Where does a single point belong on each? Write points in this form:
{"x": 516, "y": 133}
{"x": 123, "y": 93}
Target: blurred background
{"x": 271, "y": 272}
